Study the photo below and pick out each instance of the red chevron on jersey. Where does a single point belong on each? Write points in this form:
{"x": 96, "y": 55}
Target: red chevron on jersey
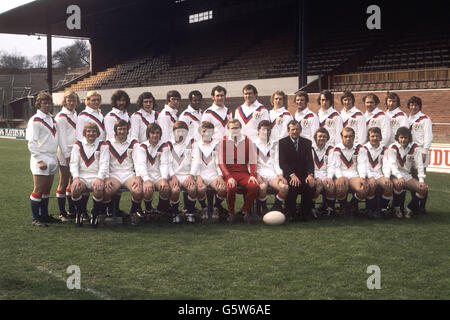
{"x": 331, "y": 116}
{"x": 243, "y": 117}
{"x": 280, "y": 116}
{"x": 381, "y": 113}
{"x": 99, "y": 123}
{"x": 398, "y": 114}
{"x": 356, "y": 114}
{"x": 418, "y": 120}
{"x": 150, "y": 158}
{"x": 120, "y": 157}
{"x": 190, "y": 115}
{"x": 264, "y": 156}
{"x": 319, "y": 163}
{"x": 373, "y": 162}
{"x": 178, "y": 159}
{"x": 206, "y": 159}
{"x": 70, "y": 121}
{"x": 171, "y": 117}
{"x": 87, "y": 160}
{"x": 224, "y": 122}
{"x": 52, "y": 130}
{"x": 349, "y": 163}
{"x": 402, "y": 160}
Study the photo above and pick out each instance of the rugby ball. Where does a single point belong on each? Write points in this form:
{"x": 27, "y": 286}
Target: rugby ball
{"x": 274, "y": 218}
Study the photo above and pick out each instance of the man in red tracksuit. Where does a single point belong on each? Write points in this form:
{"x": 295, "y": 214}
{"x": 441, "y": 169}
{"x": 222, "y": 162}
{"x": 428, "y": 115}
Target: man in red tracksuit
{"x": 237, "y": 156}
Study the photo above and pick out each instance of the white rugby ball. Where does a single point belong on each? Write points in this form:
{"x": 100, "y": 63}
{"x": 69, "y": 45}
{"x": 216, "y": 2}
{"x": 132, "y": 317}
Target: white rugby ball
{"x": 274, "y": 218}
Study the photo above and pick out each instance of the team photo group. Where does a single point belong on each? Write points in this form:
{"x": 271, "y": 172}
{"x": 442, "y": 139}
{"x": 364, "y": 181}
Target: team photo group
{"x": 317, "y": 165}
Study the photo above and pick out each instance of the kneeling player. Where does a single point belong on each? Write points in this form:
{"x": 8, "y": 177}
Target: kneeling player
{"x": 268, "y": 171}
{"x": 323, "y": 171}
{"x": 206, "y": 169}
{"x": 180, "y": 172}
{"x": 84, "y": 167}
{"x": 117, "y": 158}
{"x": 153, "y": 168}
{"x": 404, "y": 155}
{"x": 350, "y": 171}
{"x": 378, "y": 173}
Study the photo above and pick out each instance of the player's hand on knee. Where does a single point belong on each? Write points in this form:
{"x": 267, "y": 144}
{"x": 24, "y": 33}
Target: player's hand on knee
{"x": 252, "y": 180}
{"x": 231, "y": 183}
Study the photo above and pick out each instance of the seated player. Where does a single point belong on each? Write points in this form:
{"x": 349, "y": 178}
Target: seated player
{"x": 237, "y": 161}
{"x": 323, "y": 171}
{"x": 379, "y": 173}
{"x": 268, "y": 171}
{"x": 84, "y": 167}
{"x": 350, "y": 165}
{"x": 117, "y": 158}
{"x": 180, "y": 172}
{"x": 404, "y": 155}
{"x": 152, "y": 168}
{"x": 206, "y": 170}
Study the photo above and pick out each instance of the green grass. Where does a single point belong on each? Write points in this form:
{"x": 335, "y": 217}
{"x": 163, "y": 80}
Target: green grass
{"x": 313, "y": 260}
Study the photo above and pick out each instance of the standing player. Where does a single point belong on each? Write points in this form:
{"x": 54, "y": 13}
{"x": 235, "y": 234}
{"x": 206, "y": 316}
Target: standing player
{"x": 193, "y": 114}
{"x": 322, "y": 153}
{"x": 376, "y": 118}
{"x": 180, "y": 158}
{"x": 279, "y": 116}
{"x": 251, "y": 113}
{"x": 168, "y": 115}
{"x": 352, "y": 117}
{"x": 43, "y": 141}
{"x": 268, "y": 171}
{"x": 422, "y": 134}
{"x": 237, "y": 161}
{"x": 350, "y": 164}
{"x": 66, "y": 121}
{"x": 404, "y": 155}
{"x": 397, "y": 117}
{"x": 206, "y": 170}
{"x": 218, "y": 114}
{"x": 307, "y": 119}
{"x": 119, "y": 103}
{"x": 91, "y": 113}
{"x": 141, "y": 119}
{"x": 329, "y": 118}
{"x": 153, "y": 168}
{"x": 84, "y": 167}
{"x": 378, "y": 173}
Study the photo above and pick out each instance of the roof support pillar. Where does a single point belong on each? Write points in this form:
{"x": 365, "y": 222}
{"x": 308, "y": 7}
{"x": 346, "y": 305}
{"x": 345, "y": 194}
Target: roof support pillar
{"x": 302, "y": 49}
{"x": 49, "y": 59}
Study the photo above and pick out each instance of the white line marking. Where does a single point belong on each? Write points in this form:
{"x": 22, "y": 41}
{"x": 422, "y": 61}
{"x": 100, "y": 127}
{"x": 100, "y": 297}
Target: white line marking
{"x": 60, "y": 277}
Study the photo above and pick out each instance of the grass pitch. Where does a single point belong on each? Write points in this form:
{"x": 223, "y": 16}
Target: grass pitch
{"x": 313, "y": 260}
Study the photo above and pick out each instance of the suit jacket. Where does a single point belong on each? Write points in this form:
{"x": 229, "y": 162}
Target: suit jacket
{"x": 299, "y": 162}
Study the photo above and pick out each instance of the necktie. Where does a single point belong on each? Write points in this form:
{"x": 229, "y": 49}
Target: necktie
{"x": 296, "y": 145}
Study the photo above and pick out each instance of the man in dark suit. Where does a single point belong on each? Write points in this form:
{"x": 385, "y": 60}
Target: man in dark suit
{"x": 296, "y": 161}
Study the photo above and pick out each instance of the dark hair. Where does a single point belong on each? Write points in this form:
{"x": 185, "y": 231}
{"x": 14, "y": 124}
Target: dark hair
{"x": 415, "y": 100}
{"x": 218, "y": 89}
{"x": 293, "y": 123}
{"x": 321, "y": 130}
{"x": 348, "y": 129}
{"x": 152, "y": 129}
{"x": 328, "y": 96}
{"x": 180, "y": 125}
{"x": 117, "y": 95}
{"x": 142, "y": 97}
{"x": 372, "y": 95}
{"x": 403, "y": 131}
{"x": 348, "y": 94}
{"x": 234, "y": 120}
{"x": 374, "y": 130}
{"x": 120, "y": 123}
{"x": 264, "y": 123}
{"x": 173, "y": 94}
{"x": 207, "y": 125}
{"x": 392, "y": 95}
{"x": 195, "y": 93}
{"x": 302, "y": 94}
{"x": 250, "y": 87}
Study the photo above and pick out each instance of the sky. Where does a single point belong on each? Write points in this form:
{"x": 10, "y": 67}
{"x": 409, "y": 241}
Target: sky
{"x": 28, "y": 46}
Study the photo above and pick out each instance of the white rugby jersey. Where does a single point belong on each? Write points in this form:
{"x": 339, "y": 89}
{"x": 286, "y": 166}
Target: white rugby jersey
{"x": 110, "y": 119}
{"x": 193, "y": 119}
{"x": 117, "y": 157}
{"x": 397, "y": 119}
{"x": 66, "y": 122}
{"x": 402, "y": 160}
{"x": 205, "y": 160}
{"x": 218, "y": 116}
{"x": 84, "y": 160}
{"x": 180, "y": 158}
{"x": 90, "y": 115}
{"x": 309, "y": 122}
{"x": 43, "y": 138}
{"x": 139, "y": 121}
{"x": 378, "y": 164}
{"x": 354, "y": 119}
{"x": 421, "y": 130}
{"x": 279, "y": 119}
{"x": 268, "y": 163}
{"x": 378, "y": 118}
{"x": 332, "y": 121}
{"x": 153, "y": 161}
{"x": 350, "y": 163}
{"x": 167, "y": 118}
{"x": 323, "y": 161}
{"x": 250, "y": 117}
